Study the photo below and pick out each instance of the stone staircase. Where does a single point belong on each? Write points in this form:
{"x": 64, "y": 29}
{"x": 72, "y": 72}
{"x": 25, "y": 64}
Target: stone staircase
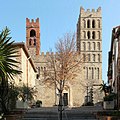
{"x": 83, "y": 113}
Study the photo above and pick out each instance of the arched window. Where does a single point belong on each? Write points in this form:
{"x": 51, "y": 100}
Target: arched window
{"x": 98, "y": 57}
{"x": 88, "y": 34}
{"x": 30, "y": 42}
{"x": 34, "y": 42}
{"x": 94, "y": 46}
{"x": 32, "y": 33}
{"x": 89, "y": 46}
{"x": 93, "y": 57}
{"x": 93, "y": 35}
{"x": 92, "y": 73}
{"x": 98, "y": 45}
{"x": 98, "y": 23}
{"x": 89, "y": 57}
{"x": 88, "y": 24}
{"x": 86, "y": 73}
{"x": 83, "y": 57}
{"x": 84, "y": 46}
{"x": 41, "y": 68}
{"x": 84, "y": 34}
{"x": 98, "y": 73}
{"x": 84, "y": 22}
{"x": 93, "y": 24}
{"x": 98, "y": 34}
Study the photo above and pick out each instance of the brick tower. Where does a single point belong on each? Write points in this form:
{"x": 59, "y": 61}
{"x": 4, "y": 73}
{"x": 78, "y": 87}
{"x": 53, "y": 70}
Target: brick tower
{"x": 33, "y": 36}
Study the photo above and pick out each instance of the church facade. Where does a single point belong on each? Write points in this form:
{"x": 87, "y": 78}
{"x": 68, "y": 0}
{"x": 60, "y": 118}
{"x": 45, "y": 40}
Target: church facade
{"x": 89, "y": 44}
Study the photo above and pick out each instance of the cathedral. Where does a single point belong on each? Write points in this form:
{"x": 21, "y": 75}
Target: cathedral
{"x": 89, "y": 44}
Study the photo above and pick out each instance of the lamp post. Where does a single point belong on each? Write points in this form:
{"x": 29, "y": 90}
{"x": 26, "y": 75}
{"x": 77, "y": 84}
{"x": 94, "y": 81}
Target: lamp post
{"x": 60, "y": 108}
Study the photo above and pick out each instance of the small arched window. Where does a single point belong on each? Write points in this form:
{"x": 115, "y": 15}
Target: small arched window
{"x": 83, "y": 57}
{"x": 98, "y": 45}
{"x": 93, "y": 24}
{"x": 86, "y": 73}
{"x": 98, "y": 57}
{"x": 32, "y": 33}
{"x": 84, "y": 34}
{"x": 34, "y": 42}
{"x": 84, "y": 46}
{"x": 94, "y": 46}
{"x": 98, "y": 73}
{"x": 93, "y": 35}
{"x": 89, "y": 57}
{"x": 89, "y": 46}
{"x": 98, "y": 23}
{"x": 98, "y": 34}
{"x": 92, "y": 73}
{"x": 88, "y": 34}
{"x": 84, "y": 23}
{"x": 88, "y": 23}
{"x": 93, "y": 57}
{"x": 30, "y": 42}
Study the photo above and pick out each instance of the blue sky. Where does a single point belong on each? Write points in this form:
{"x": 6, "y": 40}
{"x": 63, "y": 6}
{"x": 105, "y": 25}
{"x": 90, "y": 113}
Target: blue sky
{"x": 56, "y": 18}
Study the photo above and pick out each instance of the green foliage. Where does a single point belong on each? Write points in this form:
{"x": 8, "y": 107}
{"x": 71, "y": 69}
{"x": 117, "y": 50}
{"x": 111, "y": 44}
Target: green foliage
{"x": 105, "y": 88}
{"x": 26, "y": 93}
{"x": 110, "y": 97}
{"x": 8, "y": 67}
{"x": 38, "y": 103}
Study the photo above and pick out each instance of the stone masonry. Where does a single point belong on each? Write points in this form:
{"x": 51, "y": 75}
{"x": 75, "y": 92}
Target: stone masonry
{"x": 89, "y": 44}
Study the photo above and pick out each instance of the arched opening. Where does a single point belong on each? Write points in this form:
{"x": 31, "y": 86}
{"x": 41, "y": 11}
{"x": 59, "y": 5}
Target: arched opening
{"x": 98, "y": 45}
{"x": 89, "y": 47}
{"x": 98, "y": 23}
{"x": 88, "y": 34}
{"x": 84, "y": 23}
{"x": 93, "y": 57}
{"x": 93, "y": 24}
{"x": 92, "y": 73}
{"x": 84, "y": 35}
{"x": 32, "y": 33}
{"x": 98, "y": 73}
{"x": 98, "y": 57}
{"x": 88, "y": 24}
{"x": 93, "y": 45}
{"x": 30, "y": 42}
{"x": 98, "y": 34}
{"x": 93, "y": 35}
{"x": 86, "y": 73}
{"x": 83, "y": 57}
{"x": 34, "y": 42}
{"x": 88, "y": 57}
{"x": 84, "y": 46}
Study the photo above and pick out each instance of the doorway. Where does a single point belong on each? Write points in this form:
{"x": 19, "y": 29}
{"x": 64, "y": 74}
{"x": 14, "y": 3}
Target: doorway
{"x": 65, "y": 99}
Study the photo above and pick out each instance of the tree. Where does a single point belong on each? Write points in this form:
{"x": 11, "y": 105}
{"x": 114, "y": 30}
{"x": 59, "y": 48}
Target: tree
{"x": 64, "y": 66}
{"x": 8, "y": 66}
{"x": 26, "y": 93}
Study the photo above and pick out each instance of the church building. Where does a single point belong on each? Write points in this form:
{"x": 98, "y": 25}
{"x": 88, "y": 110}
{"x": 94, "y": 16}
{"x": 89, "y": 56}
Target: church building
{"x": 89, "y": 44}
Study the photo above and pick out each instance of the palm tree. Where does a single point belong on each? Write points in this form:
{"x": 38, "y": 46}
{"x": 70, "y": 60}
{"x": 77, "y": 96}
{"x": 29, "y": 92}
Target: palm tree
{"x": 26, "y": 93}
{"x": 8, "y": 66}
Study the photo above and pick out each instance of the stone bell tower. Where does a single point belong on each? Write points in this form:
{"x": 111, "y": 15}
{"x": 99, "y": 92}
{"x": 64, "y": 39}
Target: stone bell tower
{"x": 33, "y": 36}
{"x": 89, "y": 45}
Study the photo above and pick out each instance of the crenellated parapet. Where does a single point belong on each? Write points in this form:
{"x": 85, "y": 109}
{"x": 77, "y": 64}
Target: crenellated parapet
{"x": 32, "y": 23}
{"x": 46, "y": 54}
{"x": 90, "y": 13}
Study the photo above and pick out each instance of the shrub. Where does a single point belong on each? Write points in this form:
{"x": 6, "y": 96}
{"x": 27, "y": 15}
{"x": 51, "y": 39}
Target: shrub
{"x": 38, "y": 103}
